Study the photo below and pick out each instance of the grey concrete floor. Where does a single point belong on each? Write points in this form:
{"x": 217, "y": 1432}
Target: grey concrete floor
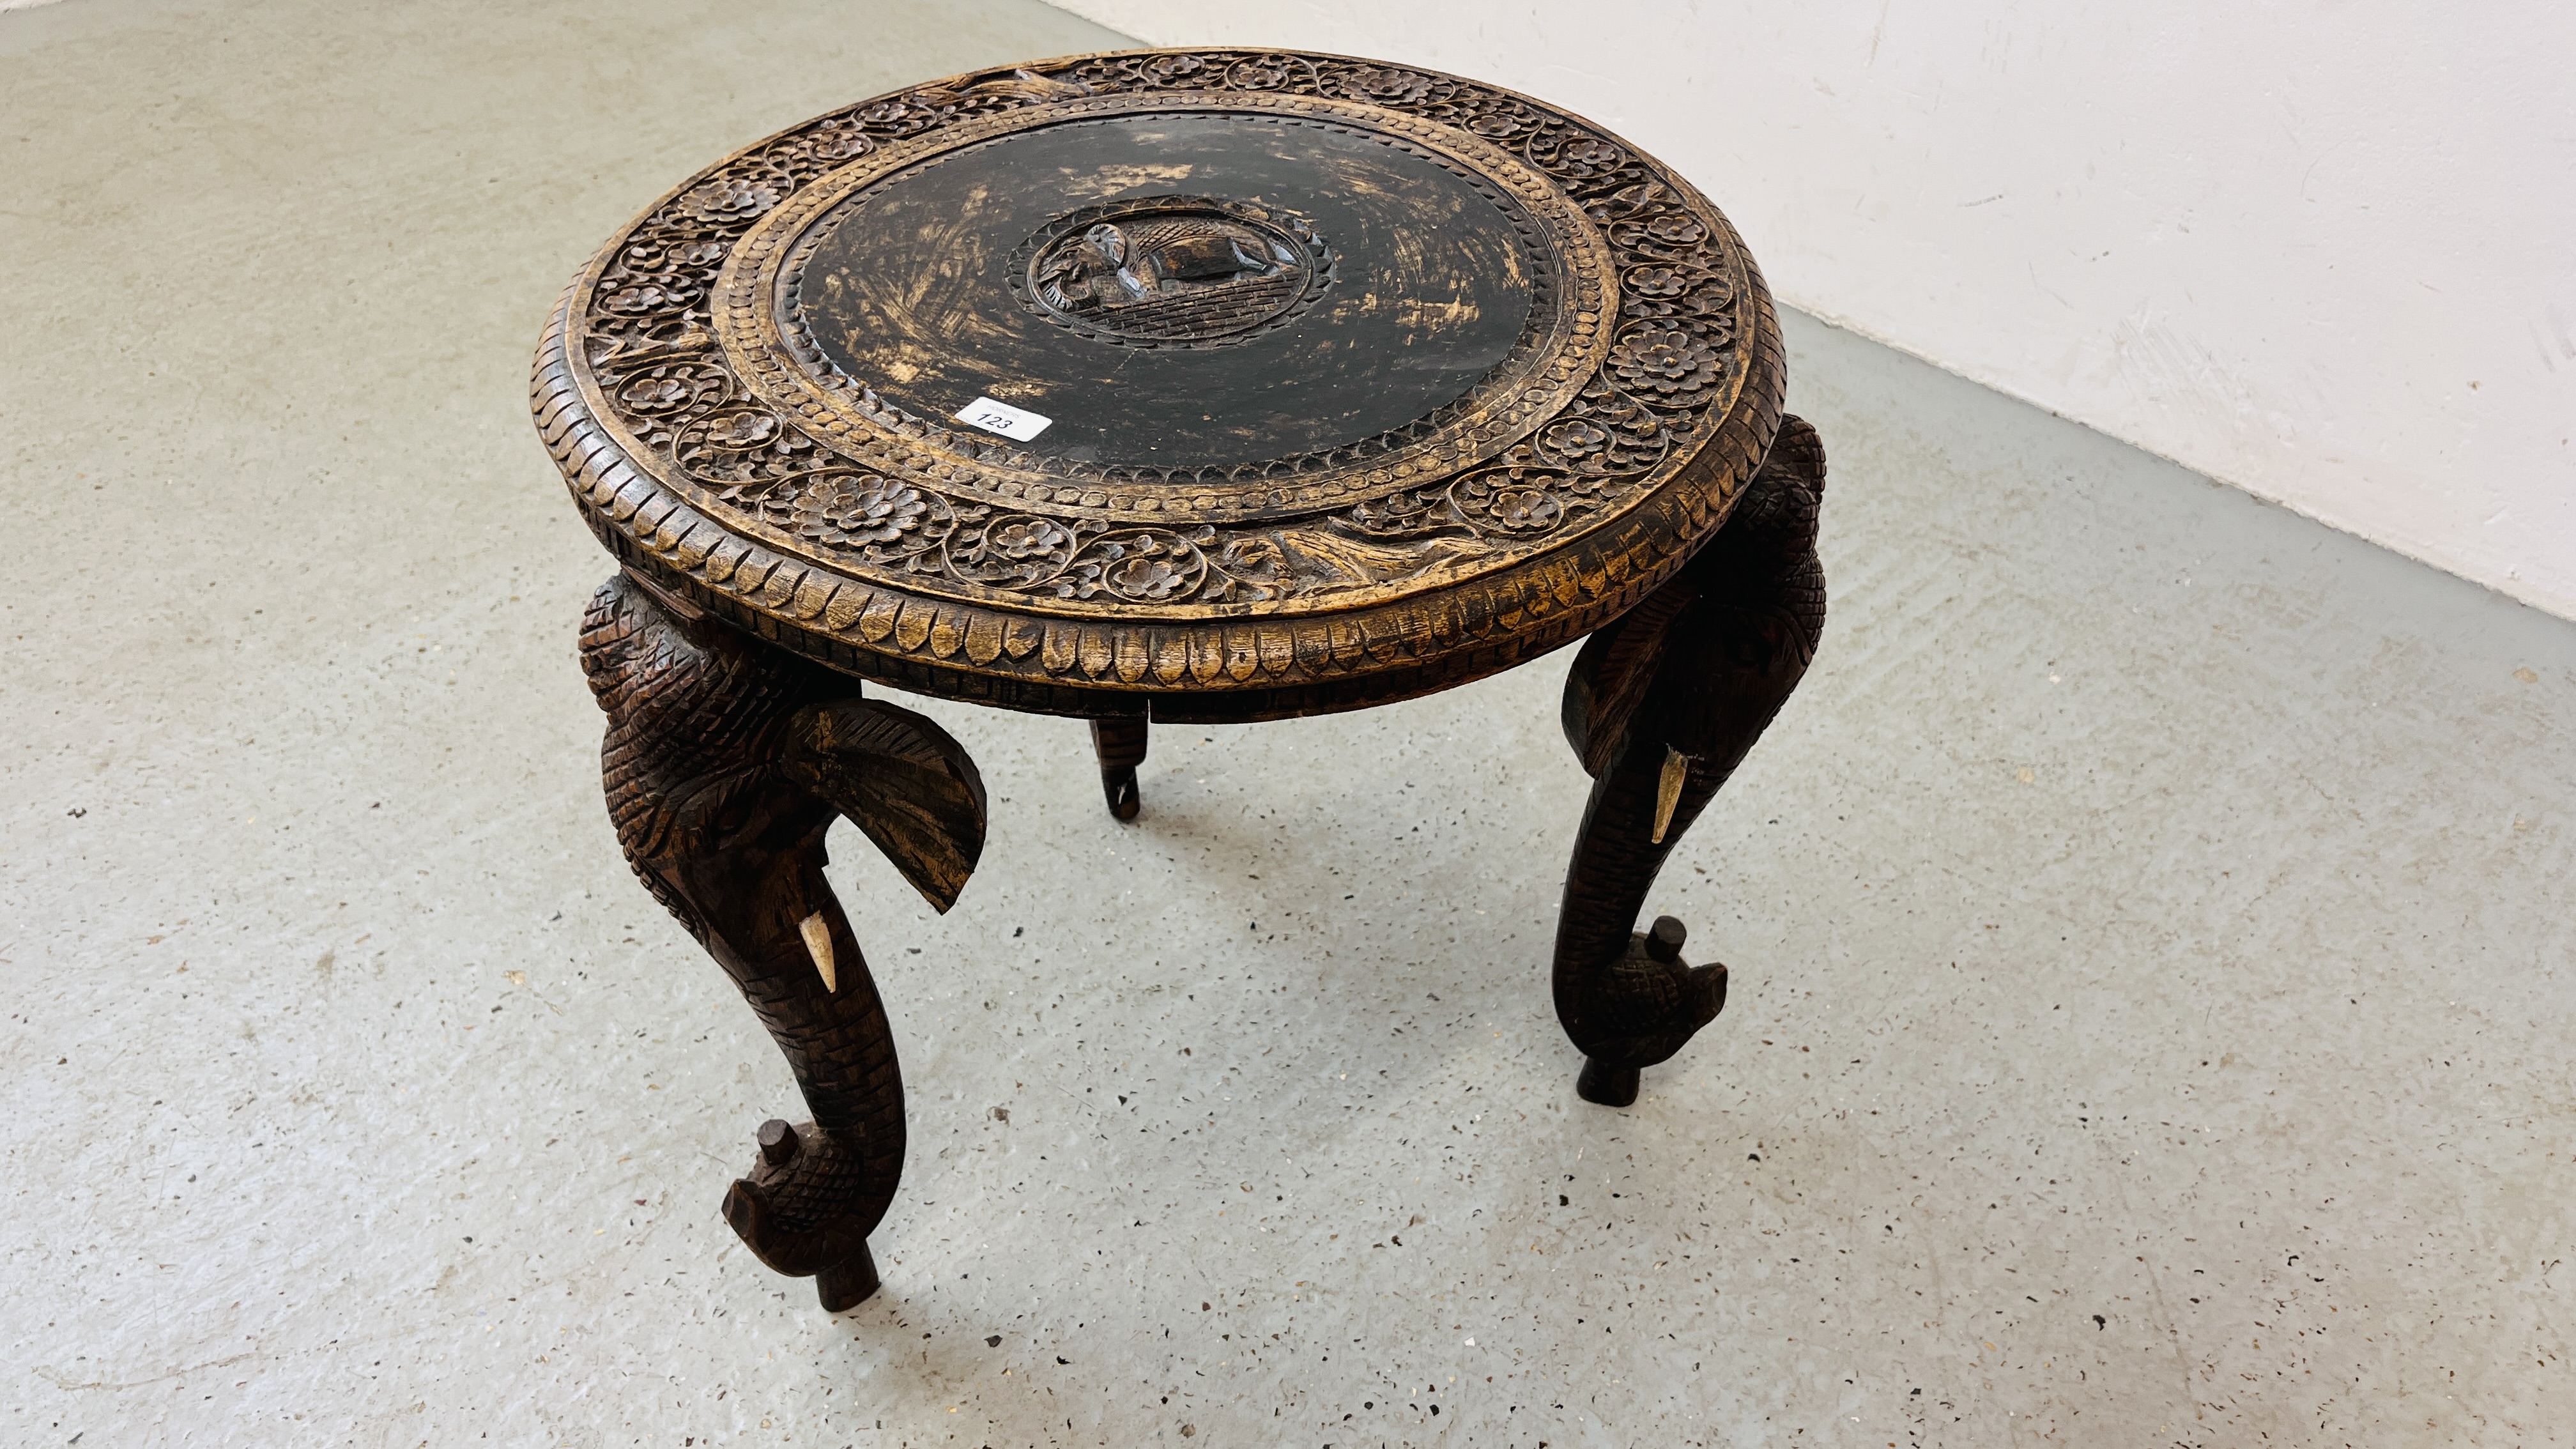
{"x": 2149, "y": 924}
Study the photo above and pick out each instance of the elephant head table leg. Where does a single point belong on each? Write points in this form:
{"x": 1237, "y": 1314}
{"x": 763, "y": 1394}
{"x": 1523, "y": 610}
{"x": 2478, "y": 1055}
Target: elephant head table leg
{"x": 725, "y": 762}
{"x": 1662, "y": 706}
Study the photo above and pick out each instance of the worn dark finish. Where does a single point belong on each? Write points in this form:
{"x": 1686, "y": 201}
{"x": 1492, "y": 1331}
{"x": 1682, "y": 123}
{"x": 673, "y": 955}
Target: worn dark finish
{"x": 961, "y": 279}
{"x": 1210, "y": 385}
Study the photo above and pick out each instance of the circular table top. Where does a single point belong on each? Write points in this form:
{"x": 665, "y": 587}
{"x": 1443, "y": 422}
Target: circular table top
{"x": 1258, "y": 383}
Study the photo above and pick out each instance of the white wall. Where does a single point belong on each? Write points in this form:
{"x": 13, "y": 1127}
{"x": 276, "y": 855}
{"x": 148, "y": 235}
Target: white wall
{"x": 2323, "y": 251}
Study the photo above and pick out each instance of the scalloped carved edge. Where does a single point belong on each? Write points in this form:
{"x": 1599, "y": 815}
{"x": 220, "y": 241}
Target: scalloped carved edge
{"x": 1025, "y": 659}
{"x": 1234, "y": 663}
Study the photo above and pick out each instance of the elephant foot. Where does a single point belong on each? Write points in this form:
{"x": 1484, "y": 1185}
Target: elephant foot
{"x": 805, "y": 1211}
{"x": 1642, "y": 1009}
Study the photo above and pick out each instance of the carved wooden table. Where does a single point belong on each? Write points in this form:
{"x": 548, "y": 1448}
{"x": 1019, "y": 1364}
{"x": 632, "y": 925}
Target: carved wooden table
{"x": 1168, "y": 385}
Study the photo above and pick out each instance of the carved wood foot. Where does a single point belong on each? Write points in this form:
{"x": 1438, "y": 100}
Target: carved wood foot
{"x": 725, "y": 762}
{"x": 1120, "y": 743}
{"x": 1661, "y": 706}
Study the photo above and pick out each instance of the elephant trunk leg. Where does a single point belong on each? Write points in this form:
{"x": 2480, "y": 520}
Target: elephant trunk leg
{"x": 819, "y": 1187}
{"x": 698, "y": 720}
{"x": 1662, "y": 706}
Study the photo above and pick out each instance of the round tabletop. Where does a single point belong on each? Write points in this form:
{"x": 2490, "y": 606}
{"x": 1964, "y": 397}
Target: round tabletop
{"x": 1253, "y": 383}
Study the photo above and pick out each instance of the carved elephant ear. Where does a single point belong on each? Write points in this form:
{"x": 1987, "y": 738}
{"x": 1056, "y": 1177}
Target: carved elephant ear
{"x": 904, "y": 781}
{"x": 1775, "y": 517}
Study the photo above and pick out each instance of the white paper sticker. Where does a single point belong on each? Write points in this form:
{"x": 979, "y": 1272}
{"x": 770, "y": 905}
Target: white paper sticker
{"x": 1017, "y": 424}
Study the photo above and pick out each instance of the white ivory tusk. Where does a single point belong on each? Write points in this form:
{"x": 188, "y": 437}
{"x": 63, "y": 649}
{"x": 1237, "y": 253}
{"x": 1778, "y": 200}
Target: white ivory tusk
{"x": 818, "y": 944}
{"x": 1668, "y": 789}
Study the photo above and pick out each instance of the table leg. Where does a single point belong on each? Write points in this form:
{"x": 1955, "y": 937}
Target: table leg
{"x": 1120, "y": 743}
{"x": 1662, "y": 705}
{"x": 725, "y": 761}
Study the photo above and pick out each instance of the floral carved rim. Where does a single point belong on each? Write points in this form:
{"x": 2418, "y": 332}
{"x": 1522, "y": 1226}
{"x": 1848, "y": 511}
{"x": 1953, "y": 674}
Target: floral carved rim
{"x": 683, "y": 467}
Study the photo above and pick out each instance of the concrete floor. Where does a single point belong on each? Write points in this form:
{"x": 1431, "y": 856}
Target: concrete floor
{"x": 2152, "y": 961}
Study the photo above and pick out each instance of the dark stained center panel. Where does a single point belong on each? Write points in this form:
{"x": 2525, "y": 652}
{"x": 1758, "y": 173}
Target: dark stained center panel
{"x": 1176, "y": 290}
